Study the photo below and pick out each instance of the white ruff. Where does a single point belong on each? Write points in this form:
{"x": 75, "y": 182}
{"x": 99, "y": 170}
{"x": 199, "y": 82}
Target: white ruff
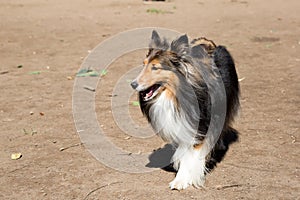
{"x": 171, "y": 126}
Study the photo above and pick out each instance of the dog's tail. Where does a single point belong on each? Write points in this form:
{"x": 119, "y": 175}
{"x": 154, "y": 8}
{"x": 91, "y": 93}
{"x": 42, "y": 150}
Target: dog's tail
{"x": 228, "y": 136}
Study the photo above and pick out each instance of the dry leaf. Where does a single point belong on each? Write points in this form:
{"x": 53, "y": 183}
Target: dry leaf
{"x": 16, "y": 156}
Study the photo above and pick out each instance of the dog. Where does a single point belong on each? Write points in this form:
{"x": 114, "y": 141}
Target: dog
{"x": 174, "y": 94}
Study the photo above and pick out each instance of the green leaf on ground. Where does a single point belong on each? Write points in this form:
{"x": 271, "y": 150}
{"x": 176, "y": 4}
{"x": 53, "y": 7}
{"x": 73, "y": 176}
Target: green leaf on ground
{"x": 35, "y": 72}
{"x": 135, "y": 103}
{"x": 158, "y": 11}
{"x": 87, "y": 72}
{"x": 103, "y": 72}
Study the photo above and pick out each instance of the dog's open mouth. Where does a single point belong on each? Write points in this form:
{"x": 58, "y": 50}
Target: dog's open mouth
{"x": 150, "y": 92}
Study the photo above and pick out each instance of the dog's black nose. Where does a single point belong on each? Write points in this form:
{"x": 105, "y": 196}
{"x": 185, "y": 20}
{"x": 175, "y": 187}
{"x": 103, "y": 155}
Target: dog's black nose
{"x": 134, "y": 84}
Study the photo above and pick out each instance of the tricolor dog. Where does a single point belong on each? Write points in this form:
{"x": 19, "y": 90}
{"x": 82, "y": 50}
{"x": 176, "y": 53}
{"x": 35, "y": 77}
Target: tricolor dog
{"x": 175, "y": 98}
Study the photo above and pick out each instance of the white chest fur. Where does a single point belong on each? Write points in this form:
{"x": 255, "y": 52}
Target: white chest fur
{"x": 170, "y": 123}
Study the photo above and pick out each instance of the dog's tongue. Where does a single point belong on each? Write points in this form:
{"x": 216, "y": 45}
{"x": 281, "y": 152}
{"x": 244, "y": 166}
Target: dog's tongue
{"x": 149, "y": 94}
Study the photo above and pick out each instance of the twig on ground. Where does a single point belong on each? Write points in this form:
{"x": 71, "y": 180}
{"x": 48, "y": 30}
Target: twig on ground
{"x": 65, "y": 148}
{"x": 12, "y": 171}
{"x": 241, "y": 79}
{"x": 4, "y": 72}
{"x": 98, "y": 188}
{"x": 89, "y": 88}
{"x": 220, "y": 187}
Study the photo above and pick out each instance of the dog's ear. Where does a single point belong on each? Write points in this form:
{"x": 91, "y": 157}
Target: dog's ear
{"x": 180, "y": 46}
{"x": 155, "y": 39}
{"x": 157, "y": 42}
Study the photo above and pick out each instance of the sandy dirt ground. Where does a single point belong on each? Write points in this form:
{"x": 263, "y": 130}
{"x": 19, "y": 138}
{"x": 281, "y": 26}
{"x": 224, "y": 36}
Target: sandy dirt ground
{"x": 53, "y": 37}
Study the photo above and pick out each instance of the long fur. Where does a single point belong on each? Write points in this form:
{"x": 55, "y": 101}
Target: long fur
{"x": 176, "y": 101}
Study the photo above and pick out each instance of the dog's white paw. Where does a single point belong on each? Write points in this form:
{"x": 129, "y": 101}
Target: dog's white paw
{"x": 199, "y": 182}
{"x": 179, "y": 184}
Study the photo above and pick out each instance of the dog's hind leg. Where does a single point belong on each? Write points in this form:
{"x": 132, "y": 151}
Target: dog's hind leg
{"x": 228, "y": 137}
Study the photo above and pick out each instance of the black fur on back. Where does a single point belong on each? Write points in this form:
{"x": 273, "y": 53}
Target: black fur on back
{"x": 226, "y": 66}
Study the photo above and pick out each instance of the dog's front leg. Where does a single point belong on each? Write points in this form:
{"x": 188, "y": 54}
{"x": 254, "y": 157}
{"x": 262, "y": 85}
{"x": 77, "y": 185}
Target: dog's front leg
{"x": 190, "y": 163}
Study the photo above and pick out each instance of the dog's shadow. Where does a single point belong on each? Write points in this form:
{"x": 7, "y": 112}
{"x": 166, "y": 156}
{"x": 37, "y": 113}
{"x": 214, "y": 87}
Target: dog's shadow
{"x": 161, "y": 158}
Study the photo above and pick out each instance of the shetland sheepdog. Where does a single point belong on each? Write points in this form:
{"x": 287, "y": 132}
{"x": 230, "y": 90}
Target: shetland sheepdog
{"x": 174, "y": 96}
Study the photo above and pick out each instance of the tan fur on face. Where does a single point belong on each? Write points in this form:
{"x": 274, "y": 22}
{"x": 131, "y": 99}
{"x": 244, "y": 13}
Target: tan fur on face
{"x": 149, "y": 76}
{"x": 146, "y": 61}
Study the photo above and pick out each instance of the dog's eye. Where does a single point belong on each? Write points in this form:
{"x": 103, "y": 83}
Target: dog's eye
{"x": 176, "y": 63}
{"x": 157, "y": 53}
{"x": 154, "y": 68}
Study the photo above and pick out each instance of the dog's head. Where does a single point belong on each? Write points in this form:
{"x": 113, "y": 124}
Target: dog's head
{"x": 162, "y": 65}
